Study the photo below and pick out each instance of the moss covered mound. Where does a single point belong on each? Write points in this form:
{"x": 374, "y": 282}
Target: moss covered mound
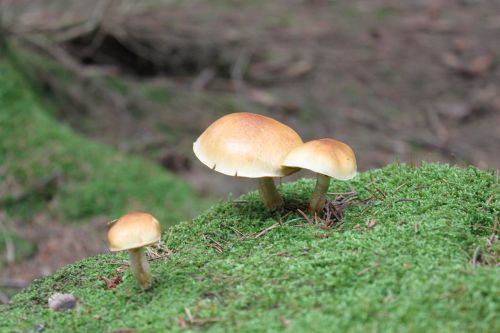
{"x": 230, "y": 271}
{"x": 42, "y": 162}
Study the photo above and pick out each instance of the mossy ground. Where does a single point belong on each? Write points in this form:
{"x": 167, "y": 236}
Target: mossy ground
{"x": 89, "y": 179}
{"x": 411, "y": 272}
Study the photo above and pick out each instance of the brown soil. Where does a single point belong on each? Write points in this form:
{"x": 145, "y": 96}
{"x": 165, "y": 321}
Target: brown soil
{"x": 397, "y": 80}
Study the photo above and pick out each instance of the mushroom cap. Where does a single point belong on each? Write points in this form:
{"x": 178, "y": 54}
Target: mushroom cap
{"x": 325, "y": 156}
{"x": 133, "y": 230}
{"x": 247, "y": 145}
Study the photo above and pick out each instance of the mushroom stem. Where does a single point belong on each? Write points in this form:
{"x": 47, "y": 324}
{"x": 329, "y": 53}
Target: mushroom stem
{"x": 318, "y": 197}
{"x": 140, "y": 267}
{"x": 269, "y": 194}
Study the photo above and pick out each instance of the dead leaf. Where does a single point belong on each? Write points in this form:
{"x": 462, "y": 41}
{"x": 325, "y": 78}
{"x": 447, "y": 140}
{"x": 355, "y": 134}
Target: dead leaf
{"x": 358, "y": 227}
{"x": 113, "y": 282}
{"x": 285, "y": 322}
{"x": 371, "y": 224}
{"x": 480, "y": 64}
{"x": 298, "y": 68}
{"x": 455, "y": 110}
{"x": 182, "y": 322}
{"x": 388, "y": 299}
{"x": 451, "y": 61}
{"x": 122, "y": 268}
{"x": 462, "y": 43}
{"x": 477, "y": 66}
{"x": 493, "y": 238}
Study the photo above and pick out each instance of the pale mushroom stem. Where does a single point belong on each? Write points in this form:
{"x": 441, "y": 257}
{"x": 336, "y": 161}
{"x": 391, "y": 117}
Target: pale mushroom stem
{"x": 269, "y": 194}
{"x": 319, "y": 195}
{"x": 140, "y": 267}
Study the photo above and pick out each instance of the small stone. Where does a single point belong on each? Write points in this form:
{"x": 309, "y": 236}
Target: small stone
{"x": 62, "y": 302}
{"x": 38, "y": 327}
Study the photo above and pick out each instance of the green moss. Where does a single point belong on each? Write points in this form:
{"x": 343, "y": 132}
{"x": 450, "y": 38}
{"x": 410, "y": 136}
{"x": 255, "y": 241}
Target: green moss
{"x": 157, "y": 94}
{"x": 89, "y": 179}
{"x": 40, "y": 62}
{"x": 384, "y": 13}
{"x": 118, "y": 84}
{"x": 412, "y": 272}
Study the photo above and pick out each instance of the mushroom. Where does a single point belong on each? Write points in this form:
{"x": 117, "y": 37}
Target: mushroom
{"x": 133, "y": 232}
{"x": 328, "y": 158}
{"x": 249, "y": 145}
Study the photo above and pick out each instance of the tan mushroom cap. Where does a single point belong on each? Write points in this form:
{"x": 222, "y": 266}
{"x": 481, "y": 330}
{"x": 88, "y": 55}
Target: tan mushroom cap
{"x": 247, "y": 145}
{"x": 132, "y": 231}
{"x": 325, "y": 156}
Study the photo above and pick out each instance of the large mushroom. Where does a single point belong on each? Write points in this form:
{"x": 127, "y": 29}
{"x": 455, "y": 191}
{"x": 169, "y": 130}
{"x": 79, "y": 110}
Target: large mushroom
{"x": 133, "y": 232}
{"x": 249, "y": 145}
{"x": 328, "y": 158}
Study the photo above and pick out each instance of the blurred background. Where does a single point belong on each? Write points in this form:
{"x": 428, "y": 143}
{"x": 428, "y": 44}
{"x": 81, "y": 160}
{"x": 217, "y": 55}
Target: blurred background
{"x": 101, "y": 100}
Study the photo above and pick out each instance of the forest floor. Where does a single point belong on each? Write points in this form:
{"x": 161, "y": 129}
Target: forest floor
{"x": 397, "y": 80}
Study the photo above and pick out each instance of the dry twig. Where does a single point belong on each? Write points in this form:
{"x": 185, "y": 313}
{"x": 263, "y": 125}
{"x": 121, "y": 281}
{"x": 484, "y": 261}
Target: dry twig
{"x": 367, "y": 269}
{"x": 266, "y": 230}
{"x": 493, "y": 238}
{"x": 305, "y": 216}
{"x": 476, "y": 257}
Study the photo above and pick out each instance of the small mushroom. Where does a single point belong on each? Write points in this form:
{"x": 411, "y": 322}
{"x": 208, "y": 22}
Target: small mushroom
{"x": 133, "y": 232}
{"x": 249, "y": 145}
{"x": 328, "y": 158}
